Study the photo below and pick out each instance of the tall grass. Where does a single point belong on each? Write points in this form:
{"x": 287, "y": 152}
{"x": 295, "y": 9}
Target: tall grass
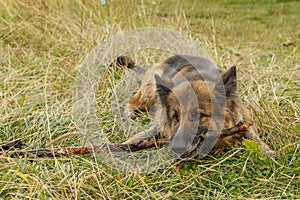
{"x": 43, "y": 41}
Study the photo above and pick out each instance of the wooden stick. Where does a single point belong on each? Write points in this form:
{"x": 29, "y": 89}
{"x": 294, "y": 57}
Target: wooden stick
{"x": 238, "y": 128}
{"x": 11, "y": 145}
{"x": 102, "y": 148}
{"x": 105, "y": 148}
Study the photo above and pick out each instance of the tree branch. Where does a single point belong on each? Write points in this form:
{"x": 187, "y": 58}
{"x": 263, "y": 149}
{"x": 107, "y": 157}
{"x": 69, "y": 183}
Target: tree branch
{"x": 9, "y": 148}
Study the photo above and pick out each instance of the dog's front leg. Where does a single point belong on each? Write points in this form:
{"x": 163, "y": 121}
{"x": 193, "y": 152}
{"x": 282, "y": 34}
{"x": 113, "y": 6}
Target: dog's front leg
{"x": 252, "y": 135}
{"x": 151, "y": 133}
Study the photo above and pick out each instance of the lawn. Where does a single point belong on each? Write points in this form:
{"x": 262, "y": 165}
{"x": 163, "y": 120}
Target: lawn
{"x": 42, "y": 44}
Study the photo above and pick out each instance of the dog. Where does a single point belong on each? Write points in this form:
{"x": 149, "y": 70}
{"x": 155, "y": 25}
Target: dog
{"x": 192, "y": 99}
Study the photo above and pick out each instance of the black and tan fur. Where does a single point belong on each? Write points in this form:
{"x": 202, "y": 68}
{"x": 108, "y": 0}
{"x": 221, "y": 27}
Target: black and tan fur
{"x": 192, "y": 98}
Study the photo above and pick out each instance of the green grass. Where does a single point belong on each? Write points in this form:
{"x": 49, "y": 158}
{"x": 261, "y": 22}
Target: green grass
{"x": 41, "y": 43}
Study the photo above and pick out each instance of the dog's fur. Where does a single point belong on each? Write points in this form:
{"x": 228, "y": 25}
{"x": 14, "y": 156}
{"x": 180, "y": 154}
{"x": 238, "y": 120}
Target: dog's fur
{"x": 192, "y": 98}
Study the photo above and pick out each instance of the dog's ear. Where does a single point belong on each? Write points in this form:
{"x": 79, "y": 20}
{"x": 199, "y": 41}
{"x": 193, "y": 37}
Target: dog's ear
{"x": 163, "y": 88}
{"x": 228, "y": 83}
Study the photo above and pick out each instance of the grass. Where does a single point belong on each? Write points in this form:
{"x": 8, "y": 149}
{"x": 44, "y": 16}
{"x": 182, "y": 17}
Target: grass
{"x": 43, "y": 41}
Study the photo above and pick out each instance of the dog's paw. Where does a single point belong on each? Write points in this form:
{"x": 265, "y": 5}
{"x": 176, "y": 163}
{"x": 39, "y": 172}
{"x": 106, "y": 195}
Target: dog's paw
{"x": 128, "y": 112}
{"x": 270, "y": 152}
{"x": 124, "y": 61}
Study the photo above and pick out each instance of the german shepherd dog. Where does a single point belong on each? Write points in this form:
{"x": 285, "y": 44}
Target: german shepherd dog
{"x": 192, "y": 99}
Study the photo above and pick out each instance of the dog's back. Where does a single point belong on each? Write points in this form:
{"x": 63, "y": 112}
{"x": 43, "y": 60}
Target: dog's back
{"x": 191, "y": 67}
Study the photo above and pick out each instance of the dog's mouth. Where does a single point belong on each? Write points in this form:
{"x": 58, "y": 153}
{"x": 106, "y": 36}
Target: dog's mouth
{"x": 195, "y": 146}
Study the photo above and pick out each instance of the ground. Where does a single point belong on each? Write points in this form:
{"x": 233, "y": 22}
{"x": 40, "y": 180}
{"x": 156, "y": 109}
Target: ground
{"x": 42, "y": 42}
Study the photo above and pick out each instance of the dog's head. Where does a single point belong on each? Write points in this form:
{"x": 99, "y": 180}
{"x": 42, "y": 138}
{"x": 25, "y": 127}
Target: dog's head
{"x": 194, "y": 108}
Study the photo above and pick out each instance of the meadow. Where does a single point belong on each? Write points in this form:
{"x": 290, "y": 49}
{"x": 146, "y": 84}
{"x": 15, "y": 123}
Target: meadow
{"x": 42, "y": 43}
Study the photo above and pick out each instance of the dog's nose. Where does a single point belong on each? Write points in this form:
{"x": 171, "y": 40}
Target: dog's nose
{"x": 178, "y": 147}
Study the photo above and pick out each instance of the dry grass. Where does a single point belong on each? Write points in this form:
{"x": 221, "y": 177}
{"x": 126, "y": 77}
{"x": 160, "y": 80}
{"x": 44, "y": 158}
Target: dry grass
{"x": 43, "y": 41}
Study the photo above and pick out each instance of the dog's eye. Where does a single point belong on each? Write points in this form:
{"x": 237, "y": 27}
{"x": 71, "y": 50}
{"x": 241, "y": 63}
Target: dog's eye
{"x": 174, "y": 117}
{"x": 201, "y": 116}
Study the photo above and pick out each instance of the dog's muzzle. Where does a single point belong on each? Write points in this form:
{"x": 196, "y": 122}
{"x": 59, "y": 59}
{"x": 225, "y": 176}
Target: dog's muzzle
{"x": 186, "y": 144}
